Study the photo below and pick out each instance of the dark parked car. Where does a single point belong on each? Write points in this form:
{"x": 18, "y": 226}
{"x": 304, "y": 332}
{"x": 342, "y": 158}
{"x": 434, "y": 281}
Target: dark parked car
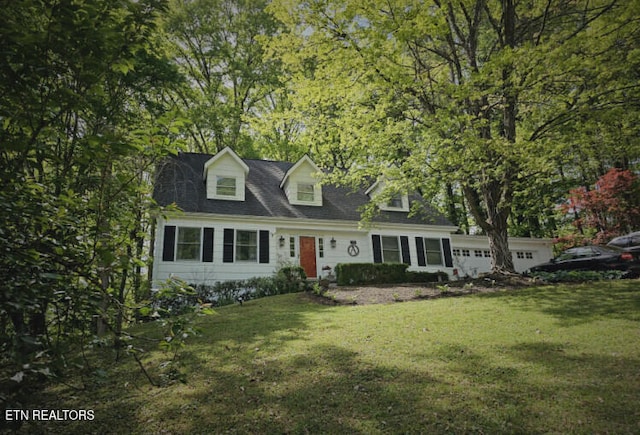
{"x": 599, "y": 258}
{"x": 629, "y": 242}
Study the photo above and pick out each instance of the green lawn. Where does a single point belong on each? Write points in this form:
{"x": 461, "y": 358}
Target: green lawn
{"x": 562, "y": 359}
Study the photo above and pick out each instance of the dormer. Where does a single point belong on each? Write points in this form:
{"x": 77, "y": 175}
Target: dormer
{"x": 301, "y": 183}
{"x": 225, "y": 175}
{"x": 396, "y": 202}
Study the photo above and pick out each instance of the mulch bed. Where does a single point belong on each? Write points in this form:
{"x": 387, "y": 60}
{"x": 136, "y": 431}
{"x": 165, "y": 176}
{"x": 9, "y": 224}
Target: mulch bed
{"x": 390, "y": 293}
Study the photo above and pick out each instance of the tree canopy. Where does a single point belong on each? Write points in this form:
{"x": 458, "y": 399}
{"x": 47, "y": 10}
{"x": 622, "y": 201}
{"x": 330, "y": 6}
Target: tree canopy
{"x": 81, "y": 124}
{"x": 228, "y": 82}
{"x": 480, "y": 97}
{"x": 609, "y": 209}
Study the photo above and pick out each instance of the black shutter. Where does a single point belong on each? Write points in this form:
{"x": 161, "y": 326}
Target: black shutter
{"x": 446, "y": 248}
{"x": 377, "y": 248}
{"x": 207, "y": 245}
{"x": 227, "y": 245}
{"x": 263, "y": 246}
{"x": 422, "y": 261}
{"x": 404, "y": 248}
{"x": 169, "y": 243}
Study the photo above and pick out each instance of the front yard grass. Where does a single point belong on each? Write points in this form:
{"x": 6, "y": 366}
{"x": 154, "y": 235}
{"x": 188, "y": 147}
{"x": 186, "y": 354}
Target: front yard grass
{"x": 555, "y": 359}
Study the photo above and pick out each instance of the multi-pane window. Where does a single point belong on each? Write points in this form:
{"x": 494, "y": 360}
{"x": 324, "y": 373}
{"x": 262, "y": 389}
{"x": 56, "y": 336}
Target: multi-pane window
{"x": 478, "y": 252}
{"x": 188, "y": 245}
{"x": 246, "y": 245}
{"x": 226, "y": 186}
{"x": 433, "y": 251}
{"x": 292, "y": 247}
{"x": 466, "y": 253}
{"x": 390, "y": 249}
{"x": 321, "y": 247}
{"x": 529, "y": 255}
{"x": 487, "y": 253}
{"x": 305, "y": 192}
{"x": 395, "y": 201}
{"x": 456, "y": 252}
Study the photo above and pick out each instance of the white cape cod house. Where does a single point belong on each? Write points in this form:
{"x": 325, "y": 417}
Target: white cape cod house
{"x": 244, "y": 218}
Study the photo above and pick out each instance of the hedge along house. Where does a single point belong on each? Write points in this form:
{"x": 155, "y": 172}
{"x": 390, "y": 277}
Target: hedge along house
{"x": 244, "y": 218}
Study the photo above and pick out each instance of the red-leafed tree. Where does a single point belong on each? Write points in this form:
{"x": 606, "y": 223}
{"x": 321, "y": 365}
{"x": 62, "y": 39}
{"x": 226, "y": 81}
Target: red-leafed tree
{"x": 611, "y": 208}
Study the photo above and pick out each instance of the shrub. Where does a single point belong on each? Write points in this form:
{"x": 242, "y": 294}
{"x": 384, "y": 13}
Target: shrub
{"x": 418, "y": 277}
{"x": 291, "y": 279}
{"x": 579, "y": 275}
{"x": 370, "y": 273}
{"x": 175, "y": 299}
{"x": 383, "y": 273}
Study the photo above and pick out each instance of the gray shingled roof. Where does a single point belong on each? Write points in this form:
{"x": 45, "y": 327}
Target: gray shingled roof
{"x": 180, "y": 181}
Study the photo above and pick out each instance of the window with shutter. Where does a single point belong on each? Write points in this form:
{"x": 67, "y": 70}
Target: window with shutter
{"x": 188, "y": 245}
{"x": 433, "y": 251}
{"x": 246, "y": 245}
{"x": 390, "y": 249}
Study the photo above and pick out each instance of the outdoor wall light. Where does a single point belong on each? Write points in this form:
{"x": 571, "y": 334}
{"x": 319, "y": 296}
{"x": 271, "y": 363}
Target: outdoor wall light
{"x": 281, "y": 240}
{"x": 333, "y": 242}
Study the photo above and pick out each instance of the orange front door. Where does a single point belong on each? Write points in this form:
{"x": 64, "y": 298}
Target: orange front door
{"x": 308, "y": 256}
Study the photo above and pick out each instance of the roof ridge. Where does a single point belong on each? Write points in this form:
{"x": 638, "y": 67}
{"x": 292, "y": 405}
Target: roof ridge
{"x": 266, "y": 160}
{"x": 198, "y": 154}
{"x": 181, "y": 153}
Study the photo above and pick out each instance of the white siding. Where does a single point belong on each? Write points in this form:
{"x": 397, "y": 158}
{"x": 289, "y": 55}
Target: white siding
{"x": 208, "y": 273}
{"x": 533, "y": 251}
{"x": 331, "y": 255}
{"x": 425, "y": 232}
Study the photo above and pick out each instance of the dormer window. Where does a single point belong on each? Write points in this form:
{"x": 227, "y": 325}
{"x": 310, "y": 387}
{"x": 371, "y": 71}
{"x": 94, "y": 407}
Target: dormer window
{"x": 301, "y": 183}
{"x": 306, "y": 192}
{"x": 395, "y": 202}
{"x": 225, "y": 176}
{"x": 225, "y": 186}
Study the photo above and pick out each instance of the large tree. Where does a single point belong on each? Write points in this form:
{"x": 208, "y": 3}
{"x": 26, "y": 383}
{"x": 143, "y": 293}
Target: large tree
{"x": 474, "y": 95}
{"x": 80, "y": 124}
{"x": 216, "y": 44}
{"x": 611, "y": 209}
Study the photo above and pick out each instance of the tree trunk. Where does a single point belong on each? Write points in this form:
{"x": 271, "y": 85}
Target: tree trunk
{"x": 501, "y": 258}
{"x": 152, "y": 244}
{"x": 101, "y": 324}
{"x": 452, "y": 212}
{"x": 496, "y": 227}
{"x": 119, "y": 320}
{"x": 493, "y": 219}
{"x": 103, "y": 237}
{"x": 497, "y": 195}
